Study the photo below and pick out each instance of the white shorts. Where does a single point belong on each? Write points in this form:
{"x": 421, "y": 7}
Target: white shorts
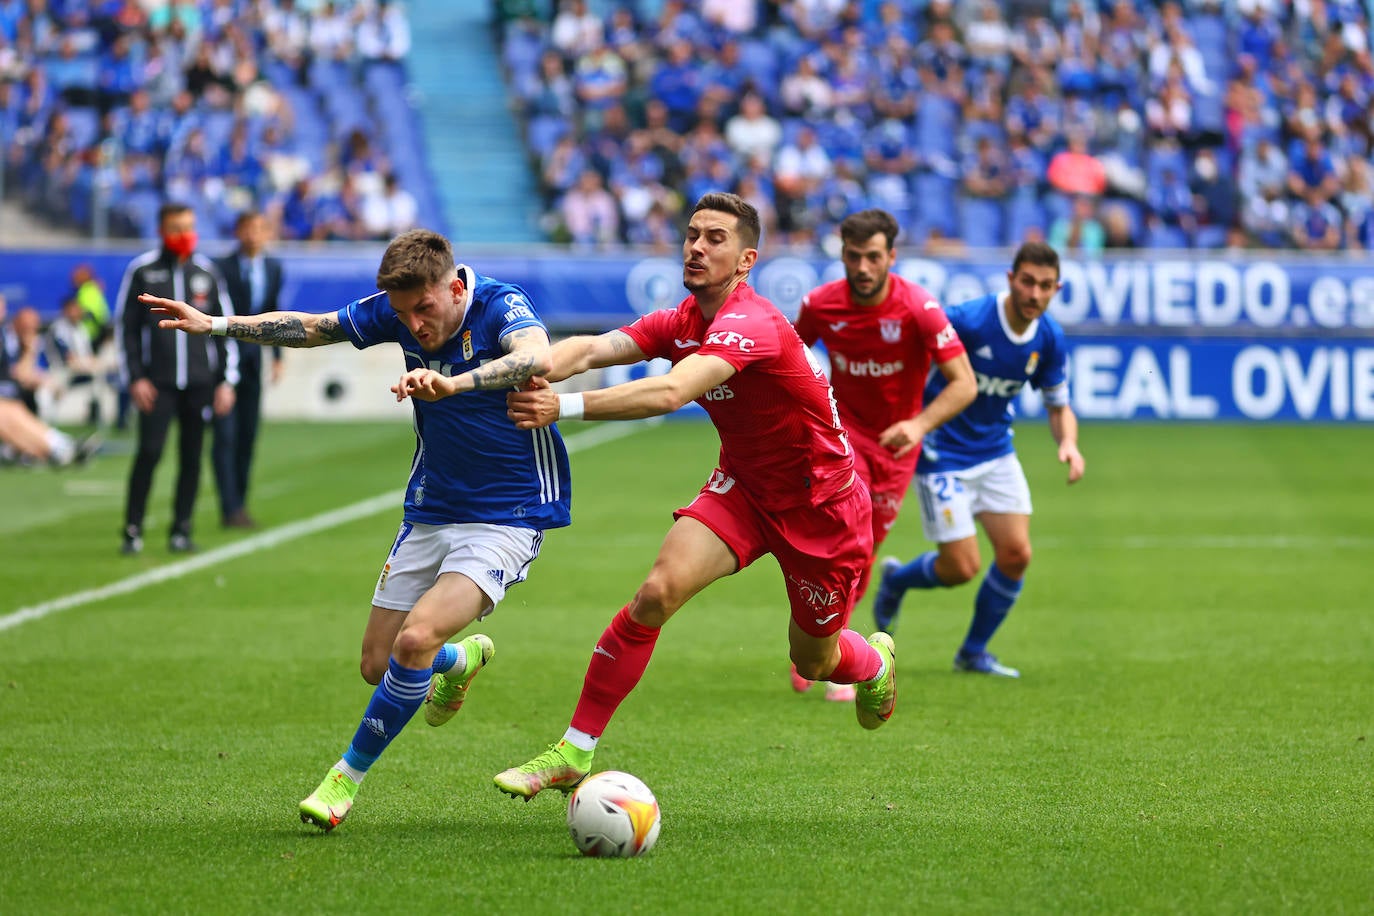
{"x": 493, "y": 556}
{"x": 951, "y": 500}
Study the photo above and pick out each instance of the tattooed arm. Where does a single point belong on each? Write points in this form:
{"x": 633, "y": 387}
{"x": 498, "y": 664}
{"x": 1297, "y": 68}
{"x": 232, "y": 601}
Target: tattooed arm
{"x": 527, "y": 355}
{"x": 282, "y": 329}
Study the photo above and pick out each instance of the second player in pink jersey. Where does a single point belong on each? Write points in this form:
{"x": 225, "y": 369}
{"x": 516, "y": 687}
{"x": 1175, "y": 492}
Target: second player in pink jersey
{"x": 785, "y": 483}
{"x": 883, "y": 333}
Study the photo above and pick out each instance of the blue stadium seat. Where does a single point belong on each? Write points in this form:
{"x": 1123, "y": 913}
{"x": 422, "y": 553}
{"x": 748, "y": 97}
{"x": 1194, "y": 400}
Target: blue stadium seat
{"x": 982, "y": 222}
{"x": 84, "y": 124}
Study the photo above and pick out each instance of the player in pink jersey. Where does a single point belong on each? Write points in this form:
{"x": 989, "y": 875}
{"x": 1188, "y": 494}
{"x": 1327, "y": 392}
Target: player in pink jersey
{"x": 883, "y": 333}
{"x": 785, "y": 483}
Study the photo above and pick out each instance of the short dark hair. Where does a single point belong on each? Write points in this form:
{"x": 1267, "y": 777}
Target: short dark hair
{"x": 743, "y": 212}
{"x": 1037, "y": 253}
{"x": 862, "y": 226}
{"x": 171, "y": 208}
{"x": 415, "y": 260}
{"x": 244, "y": 217}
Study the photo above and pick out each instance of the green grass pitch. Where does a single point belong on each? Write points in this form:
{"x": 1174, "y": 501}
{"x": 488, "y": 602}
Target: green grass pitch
{"x": 1191, "y": 734}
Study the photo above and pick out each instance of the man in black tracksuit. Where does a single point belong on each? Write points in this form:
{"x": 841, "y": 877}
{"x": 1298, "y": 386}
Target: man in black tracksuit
{"x": 170, "y": 375}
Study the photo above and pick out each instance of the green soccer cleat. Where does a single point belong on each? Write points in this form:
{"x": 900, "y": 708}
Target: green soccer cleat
{"x": 448, "y": 690}
{"x": 328, "y": 805}
{"x": 875, "y": 699}
{"x": 561, "y": 767}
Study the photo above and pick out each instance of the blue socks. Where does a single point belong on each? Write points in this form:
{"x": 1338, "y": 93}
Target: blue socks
{"x": 995, "y": 597}
{"x": 446, "y": 659}
{"x": 395, "y": 700}
{"x": 919, "y": 573}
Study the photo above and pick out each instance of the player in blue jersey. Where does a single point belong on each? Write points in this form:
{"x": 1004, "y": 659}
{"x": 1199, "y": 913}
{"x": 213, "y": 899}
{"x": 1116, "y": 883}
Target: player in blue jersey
{"x": 968, "y": 468}
{"x": 481, "y": 492}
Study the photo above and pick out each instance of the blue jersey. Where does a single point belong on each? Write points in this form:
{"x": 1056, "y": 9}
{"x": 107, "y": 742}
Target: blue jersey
{"x": 471, "y": 463}
{"x": 1003, "y": 363}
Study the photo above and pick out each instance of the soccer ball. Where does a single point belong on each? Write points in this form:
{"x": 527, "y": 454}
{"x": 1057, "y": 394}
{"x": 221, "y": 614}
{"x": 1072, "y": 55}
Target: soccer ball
{"x": 613, "y": 814}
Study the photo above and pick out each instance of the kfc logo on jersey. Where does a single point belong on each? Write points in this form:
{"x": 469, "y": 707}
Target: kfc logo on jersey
{"x": 868, "y": 368}
{"x": 999, "y": 387}
{"x": 730, "y": 339}
{"x": 891, "y": 329}
{"x": 946, "y": 336}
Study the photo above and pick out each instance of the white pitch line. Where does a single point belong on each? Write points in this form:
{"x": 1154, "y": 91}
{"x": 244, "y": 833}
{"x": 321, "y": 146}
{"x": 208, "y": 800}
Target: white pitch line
{"x": 595, "y": 436}
{"x": 1215, "y": 542}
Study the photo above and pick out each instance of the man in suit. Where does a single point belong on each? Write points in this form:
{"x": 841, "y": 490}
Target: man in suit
{"x": 254, "y": 281}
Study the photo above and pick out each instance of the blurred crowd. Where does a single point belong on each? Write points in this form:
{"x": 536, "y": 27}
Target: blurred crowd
{"x": 1089, "y": 123}
{"x": 296, "y": 109}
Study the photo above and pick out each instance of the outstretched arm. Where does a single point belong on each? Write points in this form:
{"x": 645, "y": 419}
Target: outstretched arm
{"x": 646, "y": 397}
{"x": 1064, "y": 427}
{"x": 575, "y": 355}
{"x": 285, "y": 329}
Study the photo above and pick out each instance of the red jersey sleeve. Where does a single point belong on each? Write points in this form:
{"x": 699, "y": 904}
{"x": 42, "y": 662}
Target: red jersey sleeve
{"x": 941, "y": 340}
{"x": 653, "y": 333}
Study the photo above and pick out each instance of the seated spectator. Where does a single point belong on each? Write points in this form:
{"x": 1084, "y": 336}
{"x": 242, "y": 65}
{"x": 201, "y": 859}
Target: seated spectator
{"x": 1312, "y": 170}
{"x": 25, "y": 356}
{"x": 600, "y": 81}
{"x": 576, "y": 31}
{"x": 798, "y": 171}
{"x": 1079, "y": 232}
{"x": 753, "y": 131}
{"x": 1171, "y": 202}
{"x": 590, "y": 213}
{"x": 388, "y": 212}
{"x": 1074, "y": 170}
{"x": 677, "y": 84}
{"x": 1316, "y": 224}
{"x": 987, "y": 38}
{"x": 1116, "y": 227}
{"x": 1265, "y": 217}
{"x": 1214, "y": 194}
{"x": 987, "y": 173}
{"x": 805, "y": 93}
{"x": 1263, "y": 170}
{"x": 75, "y": 357}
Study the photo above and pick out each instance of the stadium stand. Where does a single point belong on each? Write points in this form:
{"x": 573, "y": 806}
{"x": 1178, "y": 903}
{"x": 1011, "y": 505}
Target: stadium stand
{"x": 299, "y": 108}
{"x": 1130, "y": 123}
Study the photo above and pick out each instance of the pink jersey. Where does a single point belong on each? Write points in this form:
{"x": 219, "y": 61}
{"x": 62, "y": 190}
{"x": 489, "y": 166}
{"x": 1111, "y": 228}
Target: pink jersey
{"x": 879, "y": 356}
{"x": 780, "y": 434}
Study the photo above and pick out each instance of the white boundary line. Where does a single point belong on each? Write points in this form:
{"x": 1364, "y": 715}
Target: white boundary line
{"x": 597, "y": 435}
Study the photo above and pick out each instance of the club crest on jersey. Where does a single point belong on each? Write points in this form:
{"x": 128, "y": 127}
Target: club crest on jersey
{"x": 1032, "y": 362}
{"x": 467, "y": 345}
{"x": 891, "y": 329}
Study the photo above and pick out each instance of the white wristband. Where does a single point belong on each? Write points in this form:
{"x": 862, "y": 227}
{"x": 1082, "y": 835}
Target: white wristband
{"x": 570, "y": 406}
{"x": 219, "y": 326}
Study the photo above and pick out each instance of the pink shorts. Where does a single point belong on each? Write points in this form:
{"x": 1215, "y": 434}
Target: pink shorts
{"x": 888, "y": 479}
{"x": 822, "y": 550}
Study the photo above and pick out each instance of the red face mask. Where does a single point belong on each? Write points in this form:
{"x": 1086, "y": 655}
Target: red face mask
{"x": 181, "y": 244}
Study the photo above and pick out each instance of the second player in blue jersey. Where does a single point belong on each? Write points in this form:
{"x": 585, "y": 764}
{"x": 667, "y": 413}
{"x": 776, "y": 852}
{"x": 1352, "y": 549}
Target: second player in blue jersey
{"x": 968, "y": 469}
